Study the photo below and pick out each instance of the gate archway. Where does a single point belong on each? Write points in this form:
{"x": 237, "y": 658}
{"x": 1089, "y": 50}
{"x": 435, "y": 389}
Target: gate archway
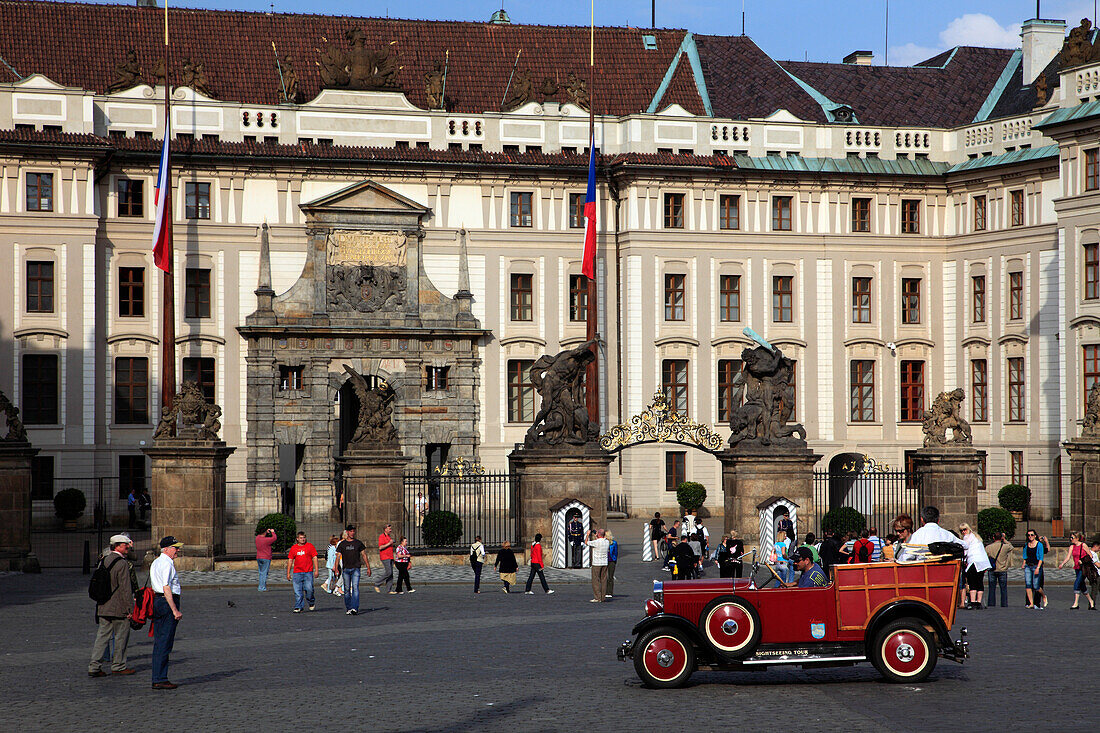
{"x": 659, "y": 424}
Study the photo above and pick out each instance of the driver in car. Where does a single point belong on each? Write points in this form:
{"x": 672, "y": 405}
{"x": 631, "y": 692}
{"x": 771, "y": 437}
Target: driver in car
{"x": 812, "y": 574}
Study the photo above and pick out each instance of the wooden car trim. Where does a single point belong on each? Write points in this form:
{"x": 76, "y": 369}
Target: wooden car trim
{"x": 899, "y": 586}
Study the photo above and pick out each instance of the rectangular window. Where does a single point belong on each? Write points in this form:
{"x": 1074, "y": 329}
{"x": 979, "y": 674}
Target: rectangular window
{"x": 729, "y": 297}
{"x": 290, "y": 378}
{"x": 912, "y": 391}
{"x": 40, "y": 192}
{"x": 729, "y": 211}
{"x": 576, "y": 210}
{"x": 861, "y": 300}
{"x": 131, "y": 197}
{"x": 863, "y": 390}
{"x": 196, "y": 200}
{"x": 910, "y": 216}
{"x": 1092, "y": 369}
{"x": 674, "y": 383}
{"x": 1016, "y": 465}
{"x": 1092, "y": 271}
{"x": 522, "y": 208}
{"x": 675, "y": 469}
{"x": 1092, "y": 169}
{"x": 437, "y": 377}
{"x": 131, "y": 292}
{"x": 979, "y": 213}
{"x": 197, "y": 293}
{"x": 675, "y": 291}
{"x": 1016, "y": 393}
{"x": 1017, "y": 203}
{"x": 578, "y": 298}
{"x": 910, "y": 300}
{"x": 979, "y": 390}
{"x": 781, "y": 213}
{"x": 131, "y": 475}
{"x": 1015, "y": 295}
{"x": 131, "y": 390}
{"x": 200, "y": 370}
{"x": 521, "y": 392}
{"x": 983, "y": 472}
{"x": 39, "y": 287}
{"x": 782, "y": 299}
{"x": 977, "y": 289}
{"x": 861, "y": 215}
{"x": 728, "y": 369}
{"x": 40, "y": 389}
{"x": 674, "y": 211}
{"x": 42, "y": 478}
{"x": 522, "y": 296}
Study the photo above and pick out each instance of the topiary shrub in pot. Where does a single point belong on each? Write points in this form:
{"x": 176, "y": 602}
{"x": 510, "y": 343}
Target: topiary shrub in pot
{"x": 1015, "y": 498}
{"x": 842, "y": 520}
{"x": 69, "y": 506}
{"x": 442, "y": 529}
{"x": 691, "y": 495}
{"x": 995, "y": 519}
{"x": 285, "y": 528}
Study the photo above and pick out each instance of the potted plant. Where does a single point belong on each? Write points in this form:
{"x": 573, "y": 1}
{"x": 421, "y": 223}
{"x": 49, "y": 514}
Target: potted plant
{"x": 843, "y": 520}
{"x": 690, "y": 495}
{"x": 69, "y": 506}
{"x": 1015, "y": 498}
{"x": 995, "y": 519}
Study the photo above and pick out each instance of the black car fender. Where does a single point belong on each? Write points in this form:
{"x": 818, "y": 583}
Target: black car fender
{"x": 677, "y": 622}
{"x": 908, "y": 608}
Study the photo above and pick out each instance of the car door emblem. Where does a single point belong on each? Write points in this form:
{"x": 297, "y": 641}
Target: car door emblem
{"x": 817, "y": 631}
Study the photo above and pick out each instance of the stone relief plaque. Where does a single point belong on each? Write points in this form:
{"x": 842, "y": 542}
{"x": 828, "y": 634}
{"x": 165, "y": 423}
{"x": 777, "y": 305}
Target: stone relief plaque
{"x": 386, "y": 249}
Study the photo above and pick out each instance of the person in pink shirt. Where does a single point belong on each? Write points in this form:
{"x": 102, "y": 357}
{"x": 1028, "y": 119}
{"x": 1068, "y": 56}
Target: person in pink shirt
{"x": 264, "y": 541}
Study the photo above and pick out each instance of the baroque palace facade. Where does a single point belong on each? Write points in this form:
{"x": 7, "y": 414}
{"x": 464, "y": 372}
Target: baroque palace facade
{"x": 896, "y": 231}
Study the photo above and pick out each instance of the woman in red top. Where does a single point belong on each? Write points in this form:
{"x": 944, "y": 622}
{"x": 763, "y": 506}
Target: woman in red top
{"x": 1076, "y": 551}
{"x": 536, "y": 567}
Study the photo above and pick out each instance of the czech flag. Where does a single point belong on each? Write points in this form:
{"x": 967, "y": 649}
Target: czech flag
{"x": 162, "y": 228}
{"x": 588, "y": 262}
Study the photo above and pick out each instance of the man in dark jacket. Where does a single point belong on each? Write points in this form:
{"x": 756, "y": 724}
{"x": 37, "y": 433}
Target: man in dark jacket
{"x": 685, "y": 560}
{"x": 575, "y": 532}
{"x": 830, "y": 551}
{"x": 113, "y": 616}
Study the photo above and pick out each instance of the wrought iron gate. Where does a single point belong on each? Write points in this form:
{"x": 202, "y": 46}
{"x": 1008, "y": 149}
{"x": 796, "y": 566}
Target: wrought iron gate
{"x": 485, "y": 502}
{"x": 876, "y": 491}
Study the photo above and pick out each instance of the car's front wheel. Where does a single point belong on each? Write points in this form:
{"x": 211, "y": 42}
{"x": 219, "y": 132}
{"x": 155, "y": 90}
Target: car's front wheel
{"x": 664, "y": 657}
{"x": 904, "y": 651}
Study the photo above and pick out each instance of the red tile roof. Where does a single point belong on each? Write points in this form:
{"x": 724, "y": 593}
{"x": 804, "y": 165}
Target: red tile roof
{"x": 79, "y": 45}
{"x": 921, "y": 96}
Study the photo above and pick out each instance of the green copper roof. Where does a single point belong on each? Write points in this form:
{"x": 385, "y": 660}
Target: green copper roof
{"x": 866, "y": 166}
{"x": 1016, "y": 156}
{"x": 1070, "y": 114}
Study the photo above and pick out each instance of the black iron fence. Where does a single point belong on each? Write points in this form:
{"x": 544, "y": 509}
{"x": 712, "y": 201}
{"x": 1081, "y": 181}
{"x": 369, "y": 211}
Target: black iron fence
{"x": 879, "y": 495}
{"x": 617, "y": 502}
{"x": 485, "y": 503}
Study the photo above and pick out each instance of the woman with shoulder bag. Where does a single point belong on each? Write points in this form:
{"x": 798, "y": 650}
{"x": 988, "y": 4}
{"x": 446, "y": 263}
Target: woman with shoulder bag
{"x": 477, "y": 561}
{"x": 1076, "y": 551}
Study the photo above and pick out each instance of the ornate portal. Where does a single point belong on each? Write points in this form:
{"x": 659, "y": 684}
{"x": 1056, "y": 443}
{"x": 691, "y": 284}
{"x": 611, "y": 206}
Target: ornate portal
{"x": 658, "y": 424}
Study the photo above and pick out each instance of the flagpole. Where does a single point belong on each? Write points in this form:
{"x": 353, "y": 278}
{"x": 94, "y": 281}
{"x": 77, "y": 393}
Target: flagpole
{"x": 592, "y": 383}
{"x": 168, "y": 296}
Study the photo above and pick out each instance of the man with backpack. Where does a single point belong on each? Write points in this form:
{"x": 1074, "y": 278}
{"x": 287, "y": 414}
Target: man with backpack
{"x": 862, "y": 550}
{"x": 113, "y": 593}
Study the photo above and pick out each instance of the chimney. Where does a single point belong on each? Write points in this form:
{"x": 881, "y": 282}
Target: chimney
{"x": 1042, "y": 41}
{"x": 860, "y": 58}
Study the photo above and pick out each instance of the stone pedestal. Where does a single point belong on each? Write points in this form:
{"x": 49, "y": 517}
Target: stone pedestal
{"x": 550, "y": 474}
{"x": 374, "y": 491}
{"x": 188, "y": 496}
{"x": 949, "y": 479}
{"x": 751, "y": 477}
{"x": 15, "y": 506}
{"x": 1084, "y": 486}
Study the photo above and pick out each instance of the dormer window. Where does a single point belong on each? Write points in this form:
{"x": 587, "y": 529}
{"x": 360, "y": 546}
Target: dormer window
{"x": 843, "y": 114}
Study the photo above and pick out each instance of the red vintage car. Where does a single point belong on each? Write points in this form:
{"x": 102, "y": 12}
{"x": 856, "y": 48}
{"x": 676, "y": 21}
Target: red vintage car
{"x": 898, "y": 616}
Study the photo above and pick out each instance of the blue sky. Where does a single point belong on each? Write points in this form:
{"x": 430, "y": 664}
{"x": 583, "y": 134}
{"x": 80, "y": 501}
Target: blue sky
{"x": 820, "y": 30}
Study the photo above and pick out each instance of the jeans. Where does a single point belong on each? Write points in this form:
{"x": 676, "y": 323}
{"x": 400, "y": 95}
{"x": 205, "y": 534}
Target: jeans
{"x": 1031, "y": 577}
{"x": 164, "y": 636}
{"x": 386, "y": 576}
{"x": 785, "y": 571}
{"x": 998, "y": 578}
{"x": 351, "y": 588}
{"x": 536, "y": 568}
{"x": 1079, "y": 581}
{"x": 110, "y": 628}
{"x": 477, "y": 566}
{"x": 303, "y": 589}
{"x": 263, "y": 566}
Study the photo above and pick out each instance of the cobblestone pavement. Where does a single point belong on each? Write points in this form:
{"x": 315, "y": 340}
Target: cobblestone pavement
{"x": 423, "y": 574}
{"x": 444, "y": 659}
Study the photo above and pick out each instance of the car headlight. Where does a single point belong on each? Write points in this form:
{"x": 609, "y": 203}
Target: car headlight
{"x": 658, "y": 591}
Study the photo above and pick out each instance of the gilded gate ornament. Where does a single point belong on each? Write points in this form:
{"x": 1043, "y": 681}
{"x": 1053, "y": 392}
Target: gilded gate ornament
{"x": 659, "y": 424}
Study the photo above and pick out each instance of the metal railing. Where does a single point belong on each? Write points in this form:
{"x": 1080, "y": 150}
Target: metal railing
{"x": 878, "y": 495}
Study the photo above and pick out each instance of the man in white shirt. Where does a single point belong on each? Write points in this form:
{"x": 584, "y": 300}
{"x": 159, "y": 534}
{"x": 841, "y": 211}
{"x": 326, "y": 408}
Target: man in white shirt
{"x": 165, "y": 582}
{"x": 930, "y": 531}
{"x": 598, "y": 543}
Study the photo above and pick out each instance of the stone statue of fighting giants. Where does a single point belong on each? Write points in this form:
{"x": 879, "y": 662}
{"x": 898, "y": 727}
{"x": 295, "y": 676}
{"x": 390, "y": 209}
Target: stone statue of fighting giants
{"x": 764, "y": 395}
{"x": 946, "y": 415}
{"x": 563, "y": 416}
{"x": 375, "y": 428}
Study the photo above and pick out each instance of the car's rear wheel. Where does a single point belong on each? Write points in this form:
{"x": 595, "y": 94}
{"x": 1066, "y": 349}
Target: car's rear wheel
{"x": 904, "y": 651}
{"x": 732, "y": 627}
{"x": 664, "y": 657}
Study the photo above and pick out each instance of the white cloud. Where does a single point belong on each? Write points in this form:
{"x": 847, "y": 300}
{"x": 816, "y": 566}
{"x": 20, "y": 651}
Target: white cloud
{"x": 971, "y": 29}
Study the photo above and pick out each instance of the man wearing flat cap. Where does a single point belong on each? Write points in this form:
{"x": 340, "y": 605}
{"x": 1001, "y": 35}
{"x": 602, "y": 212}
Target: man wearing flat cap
{"x": 165, "y": 582}
{"x": 113, "y": 615}
{"x": 812, "y": 574}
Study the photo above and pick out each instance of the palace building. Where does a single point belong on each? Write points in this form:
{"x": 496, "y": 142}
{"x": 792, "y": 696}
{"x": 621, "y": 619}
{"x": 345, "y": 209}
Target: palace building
{"x": 897, "y": 231}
